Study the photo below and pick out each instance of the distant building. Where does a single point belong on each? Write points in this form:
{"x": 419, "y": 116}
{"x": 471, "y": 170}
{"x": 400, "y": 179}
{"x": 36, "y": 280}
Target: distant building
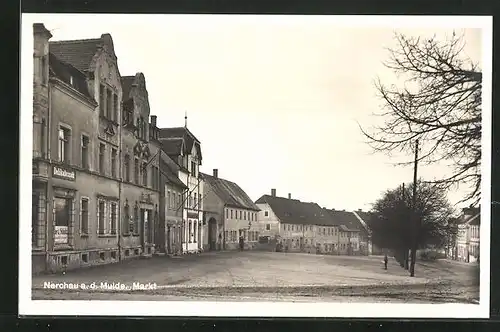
{"x": 365, "y": 244}
{"x": 349, "y": 228}
{"x": 229, "y": 214}
{"x": 468, "y": 235}
{"x": 185, "y": 149}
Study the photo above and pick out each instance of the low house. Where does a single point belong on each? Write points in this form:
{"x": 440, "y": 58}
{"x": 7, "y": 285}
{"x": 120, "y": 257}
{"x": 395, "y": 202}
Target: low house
{"x": 229, "y": 213}
{"x": 349, "y": 229}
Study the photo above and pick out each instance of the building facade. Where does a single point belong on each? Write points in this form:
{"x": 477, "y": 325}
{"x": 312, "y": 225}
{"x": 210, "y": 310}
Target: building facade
{"x": 229, "y": 215}
{"x": 171, "y": 226}
{"x": 82, "y": 197}
{"x": 185, "y": 150}
{"x": 140, "y": 192}
{"x": 466, "y": 247}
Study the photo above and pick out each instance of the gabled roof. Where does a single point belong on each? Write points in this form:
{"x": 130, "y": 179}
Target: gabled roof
{"x": 293, "y": 211}
{"x": 229, "y": 192}
{"x": 474, "y": 220}
{"x": 181, "y": 133}
{"x": 170, "y": 169}
{"x": 172, "y": 146}
{"x": 78, "y": 53}
{"x": 69, "y": 75}
{"x": 347, "y": 219}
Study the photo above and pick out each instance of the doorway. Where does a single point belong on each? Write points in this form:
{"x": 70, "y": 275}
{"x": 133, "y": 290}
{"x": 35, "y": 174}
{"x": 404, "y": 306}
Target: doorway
{"x": 212, "y": 234}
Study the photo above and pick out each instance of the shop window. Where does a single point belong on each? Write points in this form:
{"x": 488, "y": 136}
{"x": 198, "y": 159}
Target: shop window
{"x": 85, "y": 258}
{"x": 102, "y": 256}
{"x": 113, "y": 255}
{"x": 127, "y": 253}
{"x": 64, "y": 260}
{"x": 62, "y": 220}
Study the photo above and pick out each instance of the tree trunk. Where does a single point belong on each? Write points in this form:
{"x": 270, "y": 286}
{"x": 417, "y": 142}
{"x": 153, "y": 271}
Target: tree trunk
{"x": 406, "y": 257}
{"x": 413, "y": 260}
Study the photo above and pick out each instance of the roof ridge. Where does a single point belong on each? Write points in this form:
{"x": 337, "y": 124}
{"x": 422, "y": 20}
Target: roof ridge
{"x": 71, "y": 41}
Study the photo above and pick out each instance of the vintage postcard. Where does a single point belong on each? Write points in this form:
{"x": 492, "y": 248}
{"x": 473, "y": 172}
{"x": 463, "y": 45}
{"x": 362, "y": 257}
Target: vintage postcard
{"x": 267, "y": 166}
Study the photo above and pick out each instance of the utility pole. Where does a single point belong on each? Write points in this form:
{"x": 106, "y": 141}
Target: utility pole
{"x": 415, "y": 220}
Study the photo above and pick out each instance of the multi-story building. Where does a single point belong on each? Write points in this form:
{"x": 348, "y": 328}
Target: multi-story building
{"x": 185, "y": 149}
{"x": 365, "y": 244}
{"x": 229, "y": 214}
{"x": 300, "y": 226}
{"x": 467, "y": 240}
{"x": 140, "y": 191}
{"x": 170, "y": 228}
{"x": 76, "y": 222}
{"x": 82, "y": 195}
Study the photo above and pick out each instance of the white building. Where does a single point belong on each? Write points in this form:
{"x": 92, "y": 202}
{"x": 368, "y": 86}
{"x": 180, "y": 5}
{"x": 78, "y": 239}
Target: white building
{"x": 185, "y": 149}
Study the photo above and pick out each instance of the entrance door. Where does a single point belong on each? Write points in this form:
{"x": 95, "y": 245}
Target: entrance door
{"x": 212, "y": 234}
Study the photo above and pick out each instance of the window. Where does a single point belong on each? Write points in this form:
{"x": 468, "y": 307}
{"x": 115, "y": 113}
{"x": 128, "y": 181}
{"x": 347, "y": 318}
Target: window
{"x": 84, "y": 219}
{"x": 113, "y": 162}
{"x": 226, "y": 238}
{"x": 190, "y": 231}
{"x": 126, "y": 219}
{"x": 244, "y": 215}
{"x": 112, "y": 226}
{"x": 43, "y": 69}
{"x": 126, "y": 168}
{"x": 62, "y": 219}
{"x": 199, "y": 201}
{"x": 193, "y": 168}
{"x": 85, "y": 152}
{"x": 42, "y": 139}
{"x": 231, "y": 213}
{"x": 268, "y": 227}
{"x": 116, "y": 107}
{"x": 101, "y": 217}
{"x": 134, "y": 225}
{"x": 64, "y": 147}
{"x": 102, "y": 100}
{"x": 144, "y": 174}
{"x": 227, "y": 214}
{"x": 136, "y": 171}
{"x": 195, "y": 205}
{"x": 102, "y": 149}
{"x": 109, "y": 105}
{"x": 35, "y": 204}
{"x": 195, "y": 229}
{"x": 266, "y": 213}
{"x": 240, "y": 214}
{"x": 179, "y": 201}
{"x": 168, "y": 200}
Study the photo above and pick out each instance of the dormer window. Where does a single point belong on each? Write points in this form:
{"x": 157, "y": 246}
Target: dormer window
{"x": 193, "y": 168}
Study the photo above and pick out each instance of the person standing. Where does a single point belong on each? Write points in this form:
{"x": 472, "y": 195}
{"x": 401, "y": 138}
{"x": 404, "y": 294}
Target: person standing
{"x": 242, "y": 243}
{"x": 385, "y": 261}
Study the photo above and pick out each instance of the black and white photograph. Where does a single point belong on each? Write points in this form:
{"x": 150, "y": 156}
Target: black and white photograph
{"x": 255, "y": 165}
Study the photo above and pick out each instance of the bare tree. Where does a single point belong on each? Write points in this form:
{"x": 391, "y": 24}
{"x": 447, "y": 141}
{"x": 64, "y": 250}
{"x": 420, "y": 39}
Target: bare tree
{"x": 439, "y": 104}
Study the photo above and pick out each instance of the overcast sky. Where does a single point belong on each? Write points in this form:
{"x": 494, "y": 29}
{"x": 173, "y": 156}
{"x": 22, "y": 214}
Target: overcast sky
{"x": 274, "y": 101}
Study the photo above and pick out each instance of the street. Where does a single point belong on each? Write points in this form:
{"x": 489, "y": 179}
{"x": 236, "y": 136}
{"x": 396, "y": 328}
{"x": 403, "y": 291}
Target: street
{"x": 269, "y": 276}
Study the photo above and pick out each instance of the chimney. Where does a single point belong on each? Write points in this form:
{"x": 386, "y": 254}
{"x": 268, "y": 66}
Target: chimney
{"x": 216, "y": 173}
{"x": 153, "y": 120}
{"x": 273, "y": 192}
{"x": 289, "y": 196}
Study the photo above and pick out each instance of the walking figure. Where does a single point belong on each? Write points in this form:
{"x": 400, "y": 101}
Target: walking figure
{"x": 385, "y": 261}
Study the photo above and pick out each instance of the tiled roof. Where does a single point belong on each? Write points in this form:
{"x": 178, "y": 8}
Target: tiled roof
{"x": 183, "y": 133}
{"x": 127, "y": 82}
{"x": 170, "y": 170}
{"x": 78, "y": 53}
{"x": 69, "y": 75}
{"x": 293, "y": 211}
{"x": 229, "y": 192}
{"x": 346, "y": 219}
{"x": 172, "y": 147}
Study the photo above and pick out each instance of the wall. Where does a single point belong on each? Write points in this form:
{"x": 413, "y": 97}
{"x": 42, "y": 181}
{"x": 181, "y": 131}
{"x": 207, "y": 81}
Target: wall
{"x": 271, "y": 219}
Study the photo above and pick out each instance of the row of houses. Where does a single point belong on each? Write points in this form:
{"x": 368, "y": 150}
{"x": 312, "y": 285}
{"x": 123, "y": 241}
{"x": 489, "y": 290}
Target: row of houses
{"x": 465, "y": 246}
{"x": 108, "y": 184}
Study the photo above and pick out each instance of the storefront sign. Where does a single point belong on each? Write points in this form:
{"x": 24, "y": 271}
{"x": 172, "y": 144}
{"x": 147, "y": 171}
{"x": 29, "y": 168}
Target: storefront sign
{"x": 61, "y": 234}
{"x": 63, "y": 173}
